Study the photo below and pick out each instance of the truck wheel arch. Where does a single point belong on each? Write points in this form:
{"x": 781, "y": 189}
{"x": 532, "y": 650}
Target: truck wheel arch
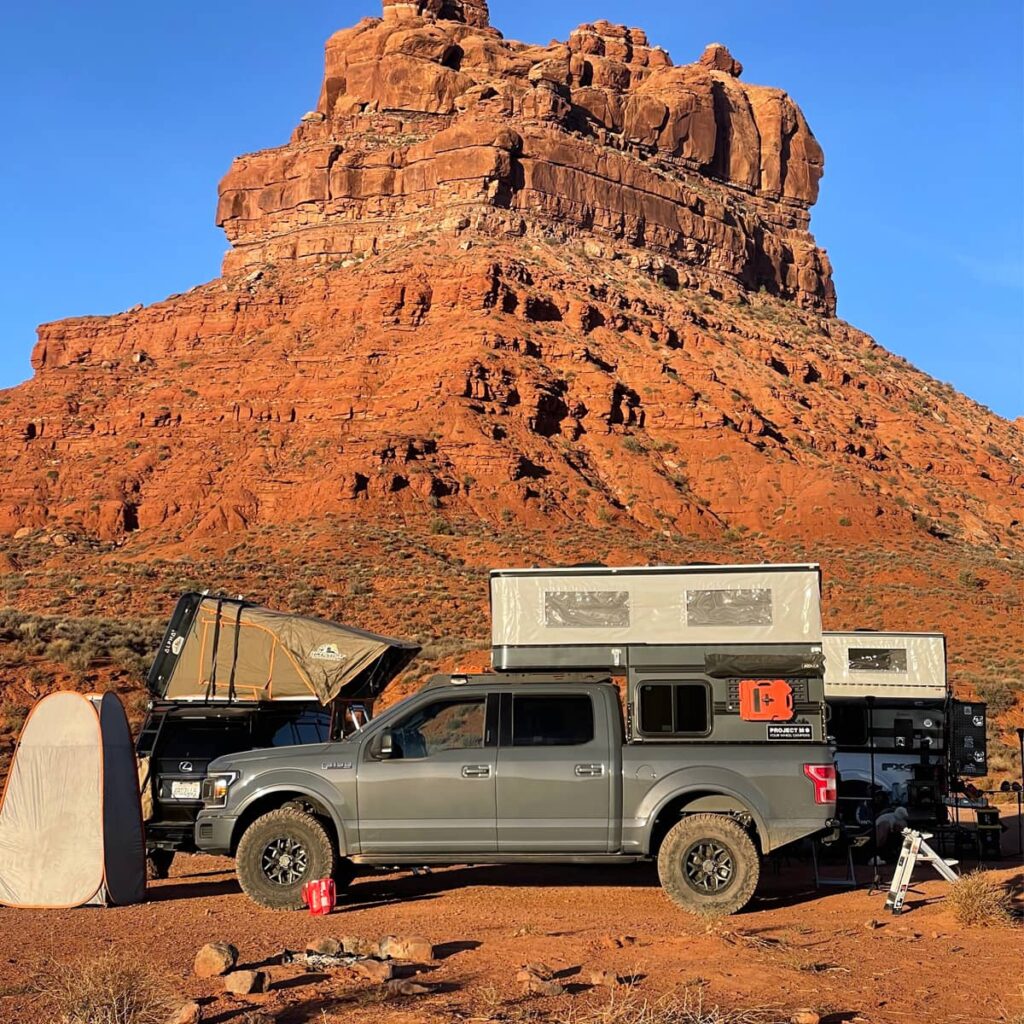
{"x": 273, "y": 799}
{"x": 703, "y": 800}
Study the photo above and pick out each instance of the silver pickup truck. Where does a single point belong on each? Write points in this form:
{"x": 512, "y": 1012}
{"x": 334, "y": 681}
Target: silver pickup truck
{"x": 504, "y": 769}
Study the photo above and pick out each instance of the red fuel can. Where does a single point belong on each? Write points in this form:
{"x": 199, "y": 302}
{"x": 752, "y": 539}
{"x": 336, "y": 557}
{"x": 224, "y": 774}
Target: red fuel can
{"x": 320, "y": 896}
{"x": 766, "y": 700}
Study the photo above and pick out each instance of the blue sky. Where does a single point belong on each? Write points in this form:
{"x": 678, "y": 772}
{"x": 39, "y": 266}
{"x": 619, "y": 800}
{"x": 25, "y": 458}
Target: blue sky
{"x": 120, "y": 118}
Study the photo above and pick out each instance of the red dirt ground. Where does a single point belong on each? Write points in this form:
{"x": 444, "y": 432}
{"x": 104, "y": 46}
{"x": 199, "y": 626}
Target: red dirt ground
{"x": 796, "y": 947}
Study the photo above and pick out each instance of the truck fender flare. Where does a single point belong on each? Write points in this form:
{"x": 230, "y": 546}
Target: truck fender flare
{"x": 732, "y": 790}
{"x": 302, "y": 784}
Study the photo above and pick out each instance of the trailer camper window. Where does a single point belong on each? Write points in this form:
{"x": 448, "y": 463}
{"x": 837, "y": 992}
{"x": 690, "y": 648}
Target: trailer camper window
{"x": 674, "y": 709}
{"x": 586, "y": 609}
{"x": 870, "y": 659}
{"x": 552, "y": 721}
{"x": 729, "y": 607}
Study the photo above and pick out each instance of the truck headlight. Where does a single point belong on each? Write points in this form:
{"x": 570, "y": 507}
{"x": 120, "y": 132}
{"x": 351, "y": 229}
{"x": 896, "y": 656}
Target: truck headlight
{"x": 216, "y": 787}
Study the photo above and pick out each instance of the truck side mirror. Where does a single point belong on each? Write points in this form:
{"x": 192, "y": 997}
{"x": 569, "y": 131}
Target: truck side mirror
{"x": 386, "y": 745}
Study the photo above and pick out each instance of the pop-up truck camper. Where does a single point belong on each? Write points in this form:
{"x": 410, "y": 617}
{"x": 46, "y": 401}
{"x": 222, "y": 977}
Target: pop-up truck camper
{"x": 711, "y": 653}
{"x": 899, "y": 734}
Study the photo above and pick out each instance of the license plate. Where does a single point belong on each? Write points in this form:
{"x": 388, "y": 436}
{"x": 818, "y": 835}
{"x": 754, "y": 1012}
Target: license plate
{"x": 185, "y": 790}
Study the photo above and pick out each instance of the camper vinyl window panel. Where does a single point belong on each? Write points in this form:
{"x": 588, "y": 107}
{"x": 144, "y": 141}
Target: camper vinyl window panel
{"x": 873, "y": 659}
{"x": 744, "y": 607}
{"x": 586, "y": 609}
{"x": 674, "y": 709}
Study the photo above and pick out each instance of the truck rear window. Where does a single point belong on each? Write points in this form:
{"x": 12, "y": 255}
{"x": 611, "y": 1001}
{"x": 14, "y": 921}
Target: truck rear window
{"x": 552, "y": 721}
{"x": 674, "y": 709}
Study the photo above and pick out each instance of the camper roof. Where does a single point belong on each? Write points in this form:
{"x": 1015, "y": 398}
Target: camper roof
{"x": 865, "y": 663}
{"x": 709, "y": 605}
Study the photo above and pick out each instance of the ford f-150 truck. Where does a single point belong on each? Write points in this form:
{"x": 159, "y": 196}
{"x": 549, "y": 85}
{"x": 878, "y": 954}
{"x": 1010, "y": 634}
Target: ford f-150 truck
{"x": 506, "y": 768}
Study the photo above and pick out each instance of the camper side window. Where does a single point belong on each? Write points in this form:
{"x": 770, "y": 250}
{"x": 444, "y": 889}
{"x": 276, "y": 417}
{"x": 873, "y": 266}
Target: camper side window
{"x": 869, "y": 659}
{"x": 675, "y": 709}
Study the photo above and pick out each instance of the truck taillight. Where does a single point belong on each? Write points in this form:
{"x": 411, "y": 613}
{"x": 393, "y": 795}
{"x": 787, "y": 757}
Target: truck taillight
{"x": 824, "y": 778}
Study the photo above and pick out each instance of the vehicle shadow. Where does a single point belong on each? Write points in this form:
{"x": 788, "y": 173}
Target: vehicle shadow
{"x": 377, "y": 888}
{"x": 179, "y": 889}
{"x": 790, "y": 886}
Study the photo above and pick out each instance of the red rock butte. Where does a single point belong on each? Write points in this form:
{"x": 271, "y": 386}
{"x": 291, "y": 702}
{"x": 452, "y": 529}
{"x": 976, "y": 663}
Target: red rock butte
{"x": 557, "y": 285}
{"x": 430, "y": 118}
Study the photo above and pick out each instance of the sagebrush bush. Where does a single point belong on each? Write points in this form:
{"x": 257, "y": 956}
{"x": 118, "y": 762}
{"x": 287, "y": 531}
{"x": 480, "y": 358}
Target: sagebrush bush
{"x": 110, "y": 989}
{"x": 978, "y": 899}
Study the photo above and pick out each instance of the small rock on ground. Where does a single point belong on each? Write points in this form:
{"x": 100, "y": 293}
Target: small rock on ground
{"x": 356, "y": 946}
{"x": 326, "y": 946}
{"x": 215, "y": 959}
{"x": 243, "y": 983}
{"x": 534, "y": 986}
{"x": 376, "y": 971}
{"x": 405, "y": 987}
{"x": 412, "y": 947}
{"x": 190, "y": 1013}
{"x": 805, "y": 1017}
{"x": 605, "y": 979}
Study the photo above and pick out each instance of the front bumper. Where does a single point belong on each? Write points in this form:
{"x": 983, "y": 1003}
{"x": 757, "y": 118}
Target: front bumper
{"x": 213, "y": 832}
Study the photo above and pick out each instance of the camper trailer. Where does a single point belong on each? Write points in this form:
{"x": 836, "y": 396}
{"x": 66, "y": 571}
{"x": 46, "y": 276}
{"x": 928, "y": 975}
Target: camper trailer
{"x": 901, "y": 739}
{"x": 710, "y": 653}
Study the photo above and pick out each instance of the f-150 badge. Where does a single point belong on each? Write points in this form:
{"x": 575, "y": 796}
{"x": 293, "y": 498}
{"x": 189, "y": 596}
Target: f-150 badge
{"x": 334, "y": 766}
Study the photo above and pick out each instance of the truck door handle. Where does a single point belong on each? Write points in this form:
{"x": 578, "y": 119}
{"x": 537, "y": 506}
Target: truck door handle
{"x": 476, "y": 771}
{"x": 589, "y": 770}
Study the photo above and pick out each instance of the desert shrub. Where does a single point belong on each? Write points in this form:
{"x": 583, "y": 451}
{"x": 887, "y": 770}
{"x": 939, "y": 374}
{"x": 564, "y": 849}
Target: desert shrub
{"x": 978, "y": 899}
{"x": 111, "y": 989}
{"x": 999, "y": 695}
{"x": 628, "y": 1006}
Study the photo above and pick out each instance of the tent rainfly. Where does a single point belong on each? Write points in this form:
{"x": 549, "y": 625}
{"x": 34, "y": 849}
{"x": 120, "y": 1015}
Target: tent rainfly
{"x": 70, "y": 822}
{"x": 226, "y": 649}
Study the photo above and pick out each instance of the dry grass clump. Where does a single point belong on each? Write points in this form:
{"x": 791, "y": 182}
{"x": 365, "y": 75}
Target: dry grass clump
{"x": 628, "y": 1006}
{"x": 107, "y": 990}
{"x": 976, "y": 898}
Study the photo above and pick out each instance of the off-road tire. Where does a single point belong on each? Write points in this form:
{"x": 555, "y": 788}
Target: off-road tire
{"x": 158, "y": 864}
{"x": 293, "y": 828}
{"x": 731, "y": 845}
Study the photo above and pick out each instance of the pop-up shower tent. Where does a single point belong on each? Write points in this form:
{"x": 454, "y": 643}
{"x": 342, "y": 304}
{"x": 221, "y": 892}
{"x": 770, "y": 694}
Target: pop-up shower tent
{"x": 70, "y": 821}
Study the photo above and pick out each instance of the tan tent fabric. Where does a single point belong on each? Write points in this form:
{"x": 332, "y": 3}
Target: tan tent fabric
{"x": 711, "y": 605}
{"x": 267, "y": 655}
{"x": 70, "y": 825}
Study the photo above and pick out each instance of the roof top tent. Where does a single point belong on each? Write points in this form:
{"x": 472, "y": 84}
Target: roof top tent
{"x": 220, "y": 649}
{"x": 70, "y": 822}
{"x": 700, "y": 645}
{"x": 889, "y": 704}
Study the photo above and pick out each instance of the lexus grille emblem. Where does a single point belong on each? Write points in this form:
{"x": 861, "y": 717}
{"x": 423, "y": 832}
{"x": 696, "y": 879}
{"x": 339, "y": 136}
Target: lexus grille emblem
{"x": 185, "y": 766}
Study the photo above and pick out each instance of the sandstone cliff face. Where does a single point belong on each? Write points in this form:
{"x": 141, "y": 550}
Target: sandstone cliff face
{"x": 428, "y": 123}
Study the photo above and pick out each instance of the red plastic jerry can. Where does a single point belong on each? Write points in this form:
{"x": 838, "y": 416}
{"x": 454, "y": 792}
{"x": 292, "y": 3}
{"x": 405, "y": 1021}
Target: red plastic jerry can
{"x": 766, "y": 700}
{"x": 320, "y": 896}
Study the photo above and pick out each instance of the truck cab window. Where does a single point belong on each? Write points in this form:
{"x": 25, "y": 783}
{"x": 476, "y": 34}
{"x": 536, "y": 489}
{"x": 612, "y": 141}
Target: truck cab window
{"x": 552, "y": 721}
{"x": 443, "y": 725}
{"x": 674, "y": 709}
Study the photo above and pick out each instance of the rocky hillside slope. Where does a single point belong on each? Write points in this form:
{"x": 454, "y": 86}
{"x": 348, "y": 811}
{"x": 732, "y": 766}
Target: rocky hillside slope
{"x": 496, "y": 303}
